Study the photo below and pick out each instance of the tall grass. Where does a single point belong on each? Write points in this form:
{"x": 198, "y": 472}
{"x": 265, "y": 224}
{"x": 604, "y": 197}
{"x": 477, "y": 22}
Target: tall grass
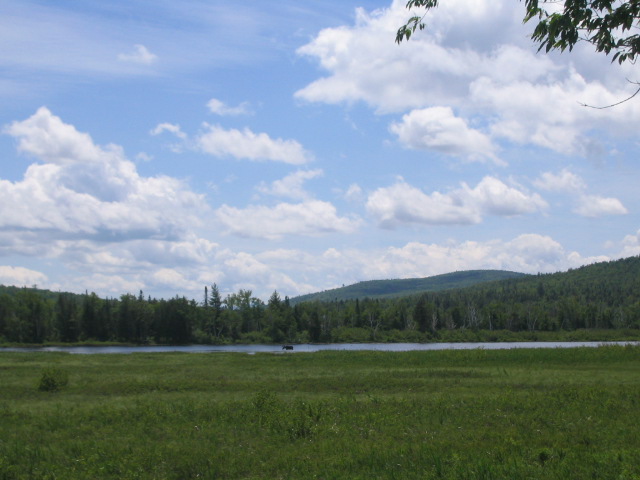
{"x": 449, "y": 414}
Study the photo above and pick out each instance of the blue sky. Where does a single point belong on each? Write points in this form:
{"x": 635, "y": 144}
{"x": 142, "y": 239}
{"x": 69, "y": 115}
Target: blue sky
{"x": 293, "y": 146}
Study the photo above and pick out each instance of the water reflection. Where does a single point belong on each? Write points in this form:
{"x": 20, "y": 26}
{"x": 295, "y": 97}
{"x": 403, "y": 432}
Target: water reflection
{"x": 252, "y": 349}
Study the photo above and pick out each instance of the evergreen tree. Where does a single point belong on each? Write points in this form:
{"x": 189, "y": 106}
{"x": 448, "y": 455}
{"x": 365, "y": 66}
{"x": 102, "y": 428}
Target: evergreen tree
{"x": 67, "y": 317}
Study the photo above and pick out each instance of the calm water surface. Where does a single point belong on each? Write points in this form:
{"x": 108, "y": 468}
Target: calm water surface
{"x": 252, "y": 349}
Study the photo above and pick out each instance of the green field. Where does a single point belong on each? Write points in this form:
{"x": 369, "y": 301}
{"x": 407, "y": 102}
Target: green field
{"x": 512, "y": 414}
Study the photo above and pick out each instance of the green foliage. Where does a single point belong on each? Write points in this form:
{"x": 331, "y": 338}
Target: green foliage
{"x": 53, "y": 379}
{"x": 415, "y": 22}
{"x": 350, "y": 335}
{"x": 604, "y": 23}
{"x": 601, "y": 23}
{"x": 294, "y": 419}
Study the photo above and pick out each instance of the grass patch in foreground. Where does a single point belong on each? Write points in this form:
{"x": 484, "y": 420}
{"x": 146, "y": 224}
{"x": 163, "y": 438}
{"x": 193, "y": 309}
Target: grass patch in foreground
{"x": 556, "y": 414}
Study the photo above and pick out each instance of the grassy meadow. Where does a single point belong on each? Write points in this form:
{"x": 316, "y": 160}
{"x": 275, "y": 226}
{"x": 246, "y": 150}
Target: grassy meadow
{"x": 475, "y": 414}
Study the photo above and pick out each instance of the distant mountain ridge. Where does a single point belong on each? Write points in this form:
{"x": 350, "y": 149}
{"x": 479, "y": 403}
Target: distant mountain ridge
{"x": 408, "y": 286}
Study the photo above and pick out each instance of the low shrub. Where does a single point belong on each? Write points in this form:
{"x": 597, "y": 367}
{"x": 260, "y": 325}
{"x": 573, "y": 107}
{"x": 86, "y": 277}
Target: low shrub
{"x": 52, "y": 380}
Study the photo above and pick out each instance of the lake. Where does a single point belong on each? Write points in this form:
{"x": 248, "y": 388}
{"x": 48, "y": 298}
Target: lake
{"x": 307, "y": 347}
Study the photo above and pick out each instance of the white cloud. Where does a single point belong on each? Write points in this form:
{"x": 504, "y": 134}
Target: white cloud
{"x": 261, "y": 273}
{"x": 140, "y": 254}
{"x": 494, "y": 197}
{"x": 597, "y": 206}
{"x": 47, "y": 138}
{"x": 248, "y": 145}
{"x": 169, "y": 127}
{"x": 172, "y": 279}
{"x": 139, "y": 264}
{"x": 219, "y": 108}
{"x": 550, "y": 114}
{"x": 365, "y": 65}
{"x": 175, "y": 130}
{"x": 354, "y": 193}
{"x": 84, "y": 190}
{"x": 564, "y": 181}
{"x": 587, "y": 205}
{"x": 440, "y": 130}
{"x": 310, "y": 218}
{"x": 465, "y": 39}
{"x": 246, "y": 264}
{"x": 404, "y": 204}
{"x": 115, "y": 285}
{"x": 20, "y": 276}
{"x": 144, "y": 157}
{"x": 292, "y": 185}
{"x": 140, "y": 55}
{"x": 630, "y": 245}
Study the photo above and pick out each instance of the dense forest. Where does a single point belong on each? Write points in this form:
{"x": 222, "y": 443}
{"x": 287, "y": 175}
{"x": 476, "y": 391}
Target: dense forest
{"x": 600, "y": 296}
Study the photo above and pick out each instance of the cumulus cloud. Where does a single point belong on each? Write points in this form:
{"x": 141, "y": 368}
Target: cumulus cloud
{"x": 402, "y": 203}
{"x": 564, "y": 181}
{"x": 241, "y": 144}
{"x": 476, "y": 57}
{"x": 125, "y": 272}
{"x": 630, "y": 245}
{"x": 549, "y": 114}
{"x": 245, "y": 144}
{"x": 152, "y": 265}
{"x": 309, "y": 218}
{"x": 45, "y": 137}
{"x": 363, "y": 65}
{"x": 20, "y": 276}
{"x": 111, "y": 284}
{"x": 140, "y": 55}
{"x": 586, "y": 204}
{"x": 596, "y": 206}
{"x": 144, "y": 157}
{"x": 262, "y": 272}
{"x": 494, "y": 197}
{"x": 138, "y": 255}
{"x": 172, "y": 279}
{"x": 220, "y": 108}
{"x": 438, "y": 129}
{"x": 291, "y": 186}
{"x": 354, "y": 193}
{"x": 169, "y": 127}
{"x": 80, "y": 189}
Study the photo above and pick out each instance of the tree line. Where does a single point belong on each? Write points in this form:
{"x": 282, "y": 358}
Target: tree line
{"x": 600, "y": 296}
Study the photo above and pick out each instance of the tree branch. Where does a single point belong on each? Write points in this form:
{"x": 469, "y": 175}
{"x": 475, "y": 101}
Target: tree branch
{"x": 617, "y": 103}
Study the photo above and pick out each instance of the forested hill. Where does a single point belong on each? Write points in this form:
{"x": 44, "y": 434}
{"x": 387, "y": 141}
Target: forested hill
{"x": 46, "y": 294}
{"x": 408, "y": 286}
